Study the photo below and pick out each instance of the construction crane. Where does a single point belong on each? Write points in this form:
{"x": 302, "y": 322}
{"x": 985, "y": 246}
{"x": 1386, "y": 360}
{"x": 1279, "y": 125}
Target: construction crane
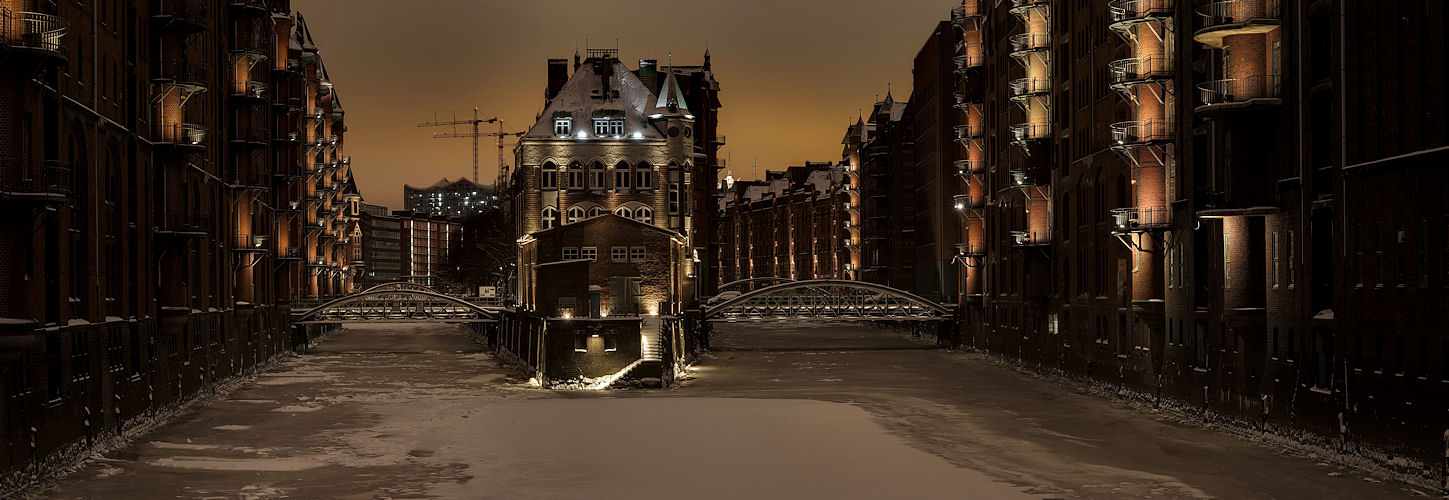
{"x": 475, "y": 134}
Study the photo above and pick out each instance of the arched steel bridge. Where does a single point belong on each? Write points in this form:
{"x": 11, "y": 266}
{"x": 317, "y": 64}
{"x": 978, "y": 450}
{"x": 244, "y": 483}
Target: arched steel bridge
{"x": 740, "y": 285}
{"x": 827, "y": 299}
{"x": 397, "y": 303}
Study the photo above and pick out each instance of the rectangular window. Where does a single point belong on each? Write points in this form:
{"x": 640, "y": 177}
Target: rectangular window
{"x": 599, "y": 179}
{"x": 20, "y": 375}
{"x": 1401, "y": 261}
{"x": 673, "y": 202}
{"x": 80, "y": 355}
{"x": 644, "y": 179}
{"x": 563, "y": 126}
{"x": 1423, "y": 252}
{"x": 601, "y": 127}
{"x": 115, "y": 351}
{"x": 567, "y": 306}
{"x": 619, "y": 254}
{"x": 52, "y": 366}
{"x": 570, "y": 253}
{"x": 621, "y": 179}
{"x": 550, "y": 179}
{"x": 589, "y": 253}
{"x": 636, "y": 254}
{"x": 1292, "y": 277}
{"x": 1276, "y": 254}
{"x": 1227, "y": 262}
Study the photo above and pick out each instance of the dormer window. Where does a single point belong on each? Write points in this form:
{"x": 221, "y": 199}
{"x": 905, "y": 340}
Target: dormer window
{"x": 608, "y": 126}
{"x": 563, "y": 126}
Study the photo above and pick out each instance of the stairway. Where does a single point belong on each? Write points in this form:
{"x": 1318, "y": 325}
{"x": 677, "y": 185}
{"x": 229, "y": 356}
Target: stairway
{"x": 649, "y": 347}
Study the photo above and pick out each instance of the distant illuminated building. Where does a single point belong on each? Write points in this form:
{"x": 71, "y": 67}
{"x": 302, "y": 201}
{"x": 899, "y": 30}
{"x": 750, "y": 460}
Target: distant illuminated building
{"x": 459, "y": 198}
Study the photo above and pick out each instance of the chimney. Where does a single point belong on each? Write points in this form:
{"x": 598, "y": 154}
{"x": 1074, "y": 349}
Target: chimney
{"x": 558, "y": 75}
{"x": 649, "y": 74}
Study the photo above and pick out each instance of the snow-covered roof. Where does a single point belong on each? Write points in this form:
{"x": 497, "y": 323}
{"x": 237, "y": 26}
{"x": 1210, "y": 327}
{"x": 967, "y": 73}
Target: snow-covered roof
{"x": 590, "y": 93}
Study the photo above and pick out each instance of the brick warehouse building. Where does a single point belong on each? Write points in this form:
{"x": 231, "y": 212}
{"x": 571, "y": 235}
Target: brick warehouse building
{"x": 879, "y": 156}
{"x": 612, "y": 144}
{"x": 794, "y": 224}
{"x": 165, "y": 165}
{"x": 1205, "y": 200}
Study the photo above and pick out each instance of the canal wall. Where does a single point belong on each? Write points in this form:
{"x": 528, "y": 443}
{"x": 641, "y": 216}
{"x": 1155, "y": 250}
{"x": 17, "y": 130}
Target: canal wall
{"x": 80, "y": 388}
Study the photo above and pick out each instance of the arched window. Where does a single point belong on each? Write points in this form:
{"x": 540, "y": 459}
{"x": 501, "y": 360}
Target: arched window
{"x": 624, "y": 212}
{"x": 644, "y": 176}
{"x": 550, "y": 176}
{"x": 595, "y": 212}
{"x": 550, "y": 217}
{"x": 575, "y": 176}
{"x": 622, "y": 176}
{"x": 576, "y": 214}
{"x": 598, "y": 179}
{"x": 644, "y": 214}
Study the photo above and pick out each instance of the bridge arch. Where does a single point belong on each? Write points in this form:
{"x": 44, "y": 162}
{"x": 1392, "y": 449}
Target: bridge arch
{"x": 827, "y": 299}
{"x": 397, "y": 306}
{"x": 399, "y": 285}
{"x": 739, "y": 285}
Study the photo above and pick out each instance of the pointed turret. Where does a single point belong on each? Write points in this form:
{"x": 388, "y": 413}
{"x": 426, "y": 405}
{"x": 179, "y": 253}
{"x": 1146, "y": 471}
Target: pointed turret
{"x": 671, "y": 100}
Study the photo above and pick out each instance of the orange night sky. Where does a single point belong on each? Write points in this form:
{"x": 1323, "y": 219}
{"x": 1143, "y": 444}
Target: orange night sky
{"x": 793, "y": 73}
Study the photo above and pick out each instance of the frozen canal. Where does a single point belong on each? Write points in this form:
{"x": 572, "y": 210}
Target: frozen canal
{"x": 833, "y": 411}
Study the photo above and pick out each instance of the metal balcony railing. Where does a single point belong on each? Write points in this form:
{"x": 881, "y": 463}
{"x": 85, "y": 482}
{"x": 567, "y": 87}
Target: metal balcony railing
{"x": 1026, "y": 42}
{"x": 33, "y": 30}
{"x": 1134, "y": 219}
{"x": 248, "y": 88}
{"x": 174, "y": 222}
{"x": 970, "y": 249}
{"x": 180, "y": 71}
{"x": 184, "y": 134}
{"x": 963, "y": 202}
{"x": 1030, "y": 238}
{"x": 253, "y": 180}
{"x": 289, "y": 253}
{"x": 1217, "y": 14}
{"x": 252, "y": 47}
{"x": 292, "y": 137}
{"x": 35, "y": 177}
{"x": 250, "y": 242}
{"x": 1140, "y": 69}
{"x": 969, "y": 131}
{"x": 1239, "y": 90}
{"x": 969, "y": 55}
{"x": 249, "y": 134}
{"x": 1019, "y": 178}
{"x": 1023, "y": 132}
{"x": 1129, "y": 10}
{"x": 190, "y": 13}
{"x": 967, "y": 167}
{"x": 1023, "y": 88}
{"x": 1138, "y": 132}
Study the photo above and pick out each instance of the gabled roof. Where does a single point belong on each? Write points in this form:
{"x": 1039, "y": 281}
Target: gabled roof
{"x": 597, "y": 219}
{"x": 590, "y": 92}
